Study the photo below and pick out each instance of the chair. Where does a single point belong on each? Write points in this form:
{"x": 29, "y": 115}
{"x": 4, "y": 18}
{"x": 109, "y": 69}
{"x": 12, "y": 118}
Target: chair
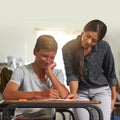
{"x": 62, "y": 111}
{"x": 5, "y": 75}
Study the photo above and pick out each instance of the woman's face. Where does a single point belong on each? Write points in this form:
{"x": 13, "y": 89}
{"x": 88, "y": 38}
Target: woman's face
{"x": 89, "y": 39}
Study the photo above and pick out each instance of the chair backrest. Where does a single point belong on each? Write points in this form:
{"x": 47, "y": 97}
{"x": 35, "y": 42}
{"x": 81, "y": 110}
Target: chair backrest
{"x": 5, "y": 76}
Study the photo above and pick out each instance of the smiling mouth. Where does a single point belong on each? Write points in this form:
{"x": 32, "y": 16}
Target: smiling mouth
{"x": 45, "y": 65}
{"x": 87, "y": 46}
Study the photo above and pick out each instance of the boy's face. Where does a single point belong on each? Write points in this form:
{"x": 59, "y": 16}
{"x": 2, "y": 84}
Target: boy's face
{"x": 44, "y": 57}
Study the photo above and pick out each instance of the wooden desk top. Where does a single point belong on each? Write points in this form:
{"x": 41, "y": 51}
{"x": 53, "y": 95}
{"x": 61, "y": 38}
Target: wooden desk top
{"x": 51, "y": 101}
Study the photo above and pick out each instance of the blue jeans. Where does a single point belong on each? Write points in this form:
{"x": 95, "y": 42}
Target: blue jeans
{"x": 102, "y": 94}
{"x": 116, "y": 118}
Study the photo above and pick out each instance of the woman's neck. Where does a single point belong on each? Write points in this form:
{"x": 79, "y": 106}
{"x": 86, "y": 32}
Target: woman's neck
{"x": 87, "y": 51}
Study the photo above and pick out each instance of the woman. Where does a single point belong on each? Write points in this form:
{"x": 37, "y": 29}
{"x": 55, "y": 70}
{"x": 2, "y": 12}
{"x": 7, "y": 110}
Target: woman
{"x": 90, "y": 69}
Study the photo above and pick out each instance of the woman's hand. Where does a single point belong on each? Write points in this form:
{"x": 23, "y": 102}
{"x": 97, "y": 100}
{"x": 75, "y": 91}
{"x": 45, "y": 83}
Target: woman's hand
{"x": 112, "y": 105}
{"x": 72, "y": 96}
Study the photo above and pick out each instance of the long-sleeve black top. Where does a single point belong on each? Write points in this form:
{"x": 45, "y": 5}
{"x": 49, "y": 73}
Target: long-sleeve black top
{"x": 99, "y": 66}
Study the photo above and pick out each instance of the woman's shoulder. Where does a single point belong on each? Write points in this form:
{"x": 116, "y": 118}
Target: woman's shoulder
{"x": 104, "y": 44}
{"x": 70, "y": 44}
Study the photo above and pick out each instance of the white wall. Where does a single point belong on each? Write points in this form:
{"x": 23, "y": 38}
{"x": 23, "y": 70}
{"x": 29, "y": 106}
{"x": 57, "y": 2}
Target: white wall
{"x": 19, "y": 18}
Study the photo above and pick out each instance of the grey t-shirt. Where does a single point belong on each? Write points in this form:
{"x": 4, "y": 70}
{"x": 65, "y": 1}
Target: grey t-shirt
{"x": 27, "y": 80}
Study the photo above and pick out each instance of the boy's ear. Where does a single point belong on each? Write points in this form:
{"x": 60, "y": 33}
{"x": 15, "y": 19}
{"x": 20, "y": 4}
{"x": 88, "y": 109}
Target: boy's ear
{"x": 35, "y": 51}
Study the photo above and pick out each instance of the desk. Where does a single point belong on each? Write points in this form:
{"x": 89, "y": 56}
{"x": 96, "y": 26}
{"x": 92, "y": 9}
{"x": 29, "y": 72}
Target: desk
{"x": 117, "y": 104}
{"x": 10, "y": 104}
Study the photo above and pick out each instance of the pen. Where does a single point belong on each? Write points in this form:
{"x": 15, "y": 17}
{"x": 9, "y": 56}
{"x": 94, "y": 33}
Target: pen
{"x": 46, "y": 87}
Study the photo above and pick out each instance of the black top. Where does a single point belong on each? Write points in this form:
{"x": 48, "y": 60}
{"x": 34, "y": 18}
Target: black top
{"x": 99, "y": 67}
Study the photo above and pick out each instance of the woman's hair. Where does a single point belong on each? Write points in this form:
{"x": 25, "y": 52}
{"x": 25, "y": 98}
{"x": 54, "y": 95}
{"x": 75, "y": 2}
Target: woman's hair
{"x": 46, "y": 42}
{"x": 95, "y": 26}
{"x": 79, "y": 57}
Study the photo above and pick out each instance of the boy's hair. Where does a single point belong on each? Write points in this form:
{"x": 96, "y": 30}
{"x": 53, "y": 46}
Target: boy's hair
{"x": 47, "y": 42}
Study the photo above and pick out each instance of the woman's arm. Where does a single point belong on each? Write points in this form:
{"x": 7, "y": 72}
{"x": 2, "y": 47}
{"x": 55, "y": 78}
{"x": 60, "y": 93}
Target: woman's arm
{"x": 73, "y": 90}
{"x": 113, "y": 97}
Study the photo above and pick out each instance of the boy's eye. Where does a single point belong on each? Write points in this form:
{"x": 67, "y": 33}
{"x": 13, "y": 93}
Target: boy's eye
{"x": 45, "y": 56}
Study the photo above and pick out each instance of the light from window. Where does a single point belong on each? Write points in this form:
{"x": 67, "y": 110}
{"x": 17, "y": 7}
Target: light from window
{"x": 62, "y": 37}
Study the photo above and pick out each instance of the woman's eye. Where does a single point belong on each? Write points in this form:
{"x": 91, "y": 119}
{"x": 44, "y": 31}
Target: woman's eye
{"x": 94, "y": 41}
{"x": 88, "y": 36}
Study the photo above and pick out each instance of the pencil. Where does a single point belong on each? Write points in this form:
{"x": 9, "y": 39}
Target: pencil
{"x": 46, "y": 87}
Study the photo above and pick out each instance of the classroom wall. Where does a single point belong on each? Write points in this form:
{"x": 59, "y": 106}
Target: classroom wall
{"x": 19, "y": 18}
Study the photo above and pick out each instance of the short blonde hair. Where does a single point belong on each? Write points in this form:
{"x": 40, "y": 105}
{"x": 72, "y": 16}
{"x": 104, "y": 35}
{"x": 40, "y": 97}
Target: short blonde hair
{"x": 47, "y": 42}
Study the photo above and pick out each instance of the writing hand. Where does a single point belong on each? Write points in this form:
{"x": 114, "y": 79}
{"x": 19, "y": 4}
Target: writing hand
{"x": 48, "y": 94}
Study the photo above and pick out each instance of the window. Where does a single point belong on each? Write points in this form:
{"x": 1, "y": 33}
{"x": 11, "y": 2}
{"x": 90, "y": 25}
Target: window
{"x": 62, "y": 37}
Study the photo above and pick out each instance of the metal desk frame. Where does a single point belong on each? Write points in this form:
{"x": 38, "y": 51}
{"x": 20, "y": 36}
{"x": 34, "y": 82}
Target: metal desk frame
{"x": 51, "y": 104}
